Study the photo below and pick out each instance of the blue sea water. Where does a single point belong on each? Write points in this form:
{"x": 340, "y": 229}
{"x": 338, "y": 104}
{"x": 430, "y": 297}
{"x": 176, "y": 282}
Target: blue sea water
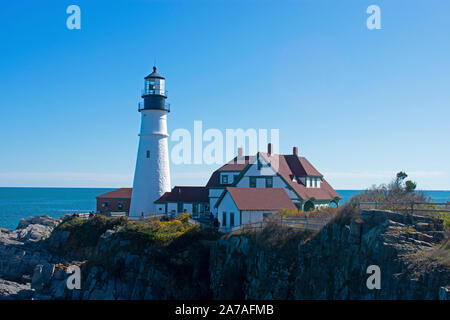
{"x": 18, "y": 203}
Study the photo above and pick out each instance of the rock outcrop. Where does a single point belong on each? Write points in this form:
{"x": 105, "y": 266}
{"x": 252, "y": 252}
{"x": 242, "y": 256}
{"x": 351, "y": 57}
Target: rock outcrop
{"x": 20, "y": 251}
{"x": 275, "y": 263}
{"x": 333, "y": 264}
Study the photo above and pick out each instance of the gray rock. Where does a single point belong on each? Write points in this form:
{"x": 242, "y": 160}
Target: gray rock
{"x": 15, "y": 291}
{"x": 43, "y": 220}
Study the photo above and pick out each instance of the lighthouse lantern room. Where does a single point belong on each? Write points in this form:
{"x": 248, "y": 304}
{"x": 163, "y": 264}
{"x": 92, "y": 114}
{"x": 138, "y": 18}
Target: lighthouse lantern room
{"x": 152, "y": 175}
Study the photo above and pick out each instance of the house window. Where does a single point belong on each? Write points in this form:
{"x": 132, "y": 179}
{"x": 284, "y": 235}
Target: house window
{"x": 148, "y": 153}
{"x": 252, "y": 182}
{"x": 224, "y": 179}
{"x": 224, "y": 219}
{"x": 231, "y": 219}
{"x": 235, "y": 178}
{"x": 120, "y": 206}
{"x": 269, "y": 182}
{"x": 105, "y": 204}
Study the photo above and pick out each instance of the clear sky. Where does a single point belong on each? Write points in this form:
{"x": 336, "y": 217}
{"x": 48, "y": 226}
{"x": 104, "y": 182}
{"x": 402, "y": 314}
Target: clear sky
{"x": 360, "y": 104}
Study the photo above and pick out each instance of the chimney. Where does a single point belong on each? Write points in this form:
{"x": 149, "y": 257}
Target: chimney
{"x": 295, "y": 151}
{"x": 240, "y": 152}
{"x": 269, "y": 148}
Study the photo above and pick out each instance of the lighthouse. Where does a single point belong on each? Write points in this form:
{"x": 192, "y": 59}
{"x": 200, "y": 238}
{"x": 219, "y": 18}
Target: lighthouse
{"x": 152, "y": 175}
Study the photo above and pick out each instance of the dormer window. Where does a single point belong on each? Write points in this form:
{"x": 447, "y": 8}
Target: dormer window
{"x": 224, "y": 179}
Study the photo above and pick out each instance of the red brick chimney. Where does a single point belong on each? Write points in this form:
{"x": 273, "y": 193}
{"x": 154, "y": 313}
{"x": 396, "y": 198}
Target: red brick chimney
{"x": 269, "y": 148}
{"x": 295, "y": 151}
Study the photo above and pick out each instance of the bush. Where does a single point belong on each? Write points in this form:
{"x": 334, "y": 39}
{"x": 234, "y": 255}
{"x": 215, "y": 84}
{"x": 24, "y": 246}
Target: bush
{"x": 83, "y": 234}
{"x": 324, "y": 212}
{"x": 156, "y": 231}
{"x": 445, "y": 216}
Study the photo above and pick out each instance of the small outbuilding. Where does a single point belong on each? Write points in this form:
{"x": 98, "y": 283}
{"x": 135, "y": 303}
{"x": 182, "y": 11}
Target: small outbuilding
{"x": 114, "y": 201}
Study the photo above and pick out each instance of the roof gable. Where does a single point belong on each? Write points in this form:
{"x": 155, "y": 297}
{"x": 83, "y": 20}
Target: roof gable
{"x": 237, "y": 164}
{"x": 287, "y": 169}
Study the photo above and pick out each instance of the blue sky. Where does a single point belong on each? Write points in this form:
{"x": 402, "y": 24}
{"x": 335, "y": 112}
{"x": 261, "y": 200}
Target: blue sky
{"x": 360, "y": 104}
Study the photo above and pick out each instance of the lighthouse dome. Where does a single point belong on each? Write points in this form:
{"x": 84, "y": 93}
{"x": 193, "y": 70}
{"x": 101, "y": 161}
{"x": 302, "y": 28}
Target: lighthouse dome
{"x": 154, "y": 74}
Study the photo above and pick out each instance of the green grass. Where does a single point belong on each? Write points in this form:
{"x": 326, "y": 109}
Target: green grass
{"x": 83, "y": 234}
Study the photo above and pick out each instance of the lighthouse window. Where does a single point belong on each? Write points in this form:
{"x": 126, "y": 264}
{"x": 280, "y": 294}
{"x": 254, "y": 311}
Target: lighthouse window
{"x": 148, "y": 153}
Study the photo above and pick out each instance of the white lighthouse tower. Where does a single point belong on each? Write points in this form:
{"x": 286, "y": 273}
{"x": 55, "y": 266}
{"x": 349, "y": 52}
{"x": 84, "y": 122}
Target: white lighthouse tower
{"x": 152, "y": 175}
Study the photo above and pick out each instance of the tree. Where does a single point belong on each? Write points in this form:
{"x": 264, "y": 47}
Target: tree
{"x": 410, "y": 186}
{"x": 401, "y": 176}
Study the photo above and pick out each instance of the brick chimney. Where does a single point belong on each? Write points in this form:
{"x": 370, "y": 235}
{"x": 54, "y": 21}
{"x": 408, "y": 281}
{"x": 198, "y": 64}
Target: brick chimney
{"x": 240, "y": 151}
{"x": 269, "y": 148}
{"x": 295, "y": 151}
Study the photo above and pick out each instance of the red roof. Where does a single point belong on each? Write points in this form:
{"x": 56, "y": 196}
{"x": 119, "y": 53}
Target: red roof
{"x": 121, "y": 193}
{"x": 236, "y": 164}
{"x": 185, "y": 194}
{"x": 260, "y": 198}
{"x": 290, "y": 166}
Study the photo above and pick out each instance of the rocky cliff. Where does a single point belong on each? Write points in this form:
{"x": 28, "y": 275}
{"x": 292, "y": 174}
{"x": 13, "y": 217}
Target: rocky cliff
{"x": 119, "y": 261}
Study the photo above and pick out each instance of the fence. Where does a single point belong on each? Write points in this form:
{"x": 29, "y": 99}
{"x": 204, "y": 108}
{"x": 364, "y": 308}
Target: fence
{"x": 409, "y": 207}
{"x": 82, "y": 215}
{"x": 303, "y": 223}
{"x": 139, "y": 218}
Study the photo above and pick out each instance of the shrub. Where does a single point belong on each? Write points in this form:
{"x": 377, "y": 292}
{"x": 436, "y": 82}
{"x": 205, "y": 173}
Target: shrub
{"x": 324, "y": 212}
{"x": 83, "y": 234}
{"x": 156, "y": 231}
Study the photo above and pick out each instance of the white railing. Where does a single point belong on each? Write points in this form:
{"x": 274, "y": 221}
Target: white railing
{"x": 304, "y": 223}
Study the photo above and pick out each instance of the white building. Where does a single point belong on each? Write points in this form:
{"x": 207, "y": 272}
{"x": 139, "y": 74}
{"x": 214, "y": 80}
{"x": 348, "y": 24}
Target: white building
{"x": 152, "y": 175}
{"x": 304, "y": 185}
{"x": 240, "y": 206}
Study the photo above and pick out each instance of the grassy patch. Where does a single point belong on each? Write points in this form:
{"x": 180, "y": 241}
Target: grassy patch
{"x": 83, "y": 234}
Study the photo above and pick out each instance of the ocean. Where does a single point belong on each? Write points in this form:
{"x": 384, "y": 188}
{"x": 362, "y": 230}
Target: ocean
{"x": 18, "y": 203}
